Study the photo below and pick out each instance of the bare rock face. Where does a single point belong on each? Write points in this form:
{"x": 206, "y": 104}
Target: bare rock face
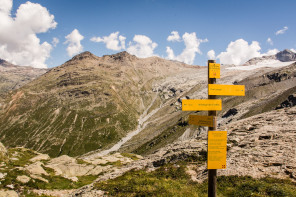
{"x": 263, "y": 145}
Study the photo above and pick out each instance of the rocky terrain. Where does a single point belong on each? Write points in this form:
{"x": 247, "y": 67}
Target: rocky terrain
{"x": 24, "y": 171}
{"x": 258, "y": 146}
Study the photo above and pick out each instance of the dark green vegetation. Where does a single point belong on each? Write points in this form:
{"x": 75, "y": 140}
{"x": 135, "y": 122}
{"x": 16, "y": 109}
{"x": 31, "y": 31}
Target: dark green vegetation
{"x": 169, "y": 135}
{"x": 172, "y": 180}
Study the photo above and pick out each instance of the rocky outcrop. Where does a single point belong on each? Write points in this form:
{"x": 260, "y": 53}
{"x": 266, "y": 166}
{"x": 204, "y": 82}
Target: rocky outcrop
{"x": 23, "y": 179}
{"x": 290, "y": 102}
{"x": 230, "y": 112}
{"x": 261, "y": 145}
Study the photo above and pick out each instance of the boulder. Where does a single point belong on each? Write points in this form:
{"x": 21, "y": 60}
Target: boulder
{"x": 230, "y": 112}
{"x": 40, "y": 157}
{"x": 23, "y": 179}
{"x": 36, "y": 169}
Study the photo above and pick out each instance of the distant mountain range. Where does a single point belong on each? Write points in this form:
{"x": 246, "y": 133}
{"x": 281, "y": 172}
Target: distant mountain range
{"x": 13, "y": 77}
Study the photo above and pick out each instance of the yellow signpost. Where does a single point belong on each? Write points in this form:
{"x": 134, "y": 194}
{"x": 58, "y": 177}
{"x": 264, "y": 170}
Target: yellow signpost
{"x": 226, "y": 90}
{"x": 217, "y": 146}
{"x": 217, "y": 140}
{"x": 207, "y": 121}
{"x": 214, "y": 70}
{"x": 201, "y": 105}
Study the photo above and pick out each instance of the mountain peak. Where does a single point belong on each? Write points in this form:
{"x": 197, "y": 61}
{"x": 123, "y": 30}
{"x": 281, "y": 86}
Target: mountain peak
{"x": 84, "y": 55}
{"x": 5, "y": 63}
{"x": 286, "y": 55}
{"x": 121, "y": 56}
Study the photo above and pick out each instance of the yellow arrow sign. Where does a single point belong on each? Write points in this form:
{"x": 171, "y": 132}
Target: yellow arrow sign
{"x": 201, "y": 105}
{"x": 226, "y": 90}
{"x": 214, "y": 70}
{"x": 201, "y": 120}
{"x": 217, "y": 149}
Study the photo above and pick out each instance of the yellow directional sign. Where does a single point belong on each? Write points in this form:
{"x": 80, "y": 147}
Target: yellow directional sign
{"x": 214, "y": 70}
{"x": 201, "y": 105}
{"x": 226, "y": 90}
{"x": 217, "y": 147}
{"x": 207, "y": 121}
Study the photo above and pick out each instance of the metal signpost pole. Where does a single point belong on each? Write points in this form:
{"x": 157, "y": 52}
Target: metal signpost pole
{"x": 212, "y": 173}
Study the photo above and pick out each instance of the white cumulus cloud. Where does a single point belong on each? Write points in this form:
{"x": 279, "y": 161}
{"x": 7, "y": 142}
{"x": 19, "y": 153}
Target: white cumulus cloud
{"x": 269, "y": 41}
{"x": 293, "y": 50}
{"x": 270, "y": 52}
{"x": 5, "y": 6}
{"x": 74, "y": 43}
{"x": 19, "y": 43}
{"x": 114, "y": 41}
{"x": 174, "y": 37}
{"x": 142, "y": 46}
{"x": 281, "y": 31}
{"x": 239, "y": 51}
{"x": 55, "y": 41}
{"x": 191, "y": 48}
{"x": 211, "y": 55}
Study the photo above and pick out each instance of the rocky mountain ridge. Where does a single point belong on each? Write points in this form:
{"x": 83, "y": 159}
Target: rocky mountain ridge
{"x": 13, "y": 77}
{"x": 282, "y": 56}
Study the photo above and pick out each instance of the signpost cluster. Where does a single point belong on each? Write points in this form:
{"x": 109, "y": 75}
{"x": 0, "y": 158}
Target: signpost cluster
{"x": 217, "y": 140}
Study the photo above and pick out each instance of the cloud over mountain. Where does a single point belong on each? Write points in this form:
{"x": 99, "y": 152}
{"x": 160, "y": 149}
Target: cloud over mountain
{"x": 239, "y": 51}
{"x": 191, "y": 47}
{"x": 142, "y": 46}
{"x": 113, "y": 41}
{"x": 19, "y": 43}
{"x": 74, "y": 42}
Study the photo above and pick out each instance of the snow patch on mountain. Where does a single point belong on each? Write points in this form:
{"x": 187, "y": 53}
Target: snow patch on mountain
{"x": 270, "y": 63}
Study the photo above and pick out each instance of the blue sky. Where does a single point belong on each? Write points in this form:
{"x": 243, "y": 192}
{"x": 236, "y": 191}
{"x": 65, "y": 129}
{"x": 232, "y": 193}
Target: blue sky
{"x": 204, "y": 25}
